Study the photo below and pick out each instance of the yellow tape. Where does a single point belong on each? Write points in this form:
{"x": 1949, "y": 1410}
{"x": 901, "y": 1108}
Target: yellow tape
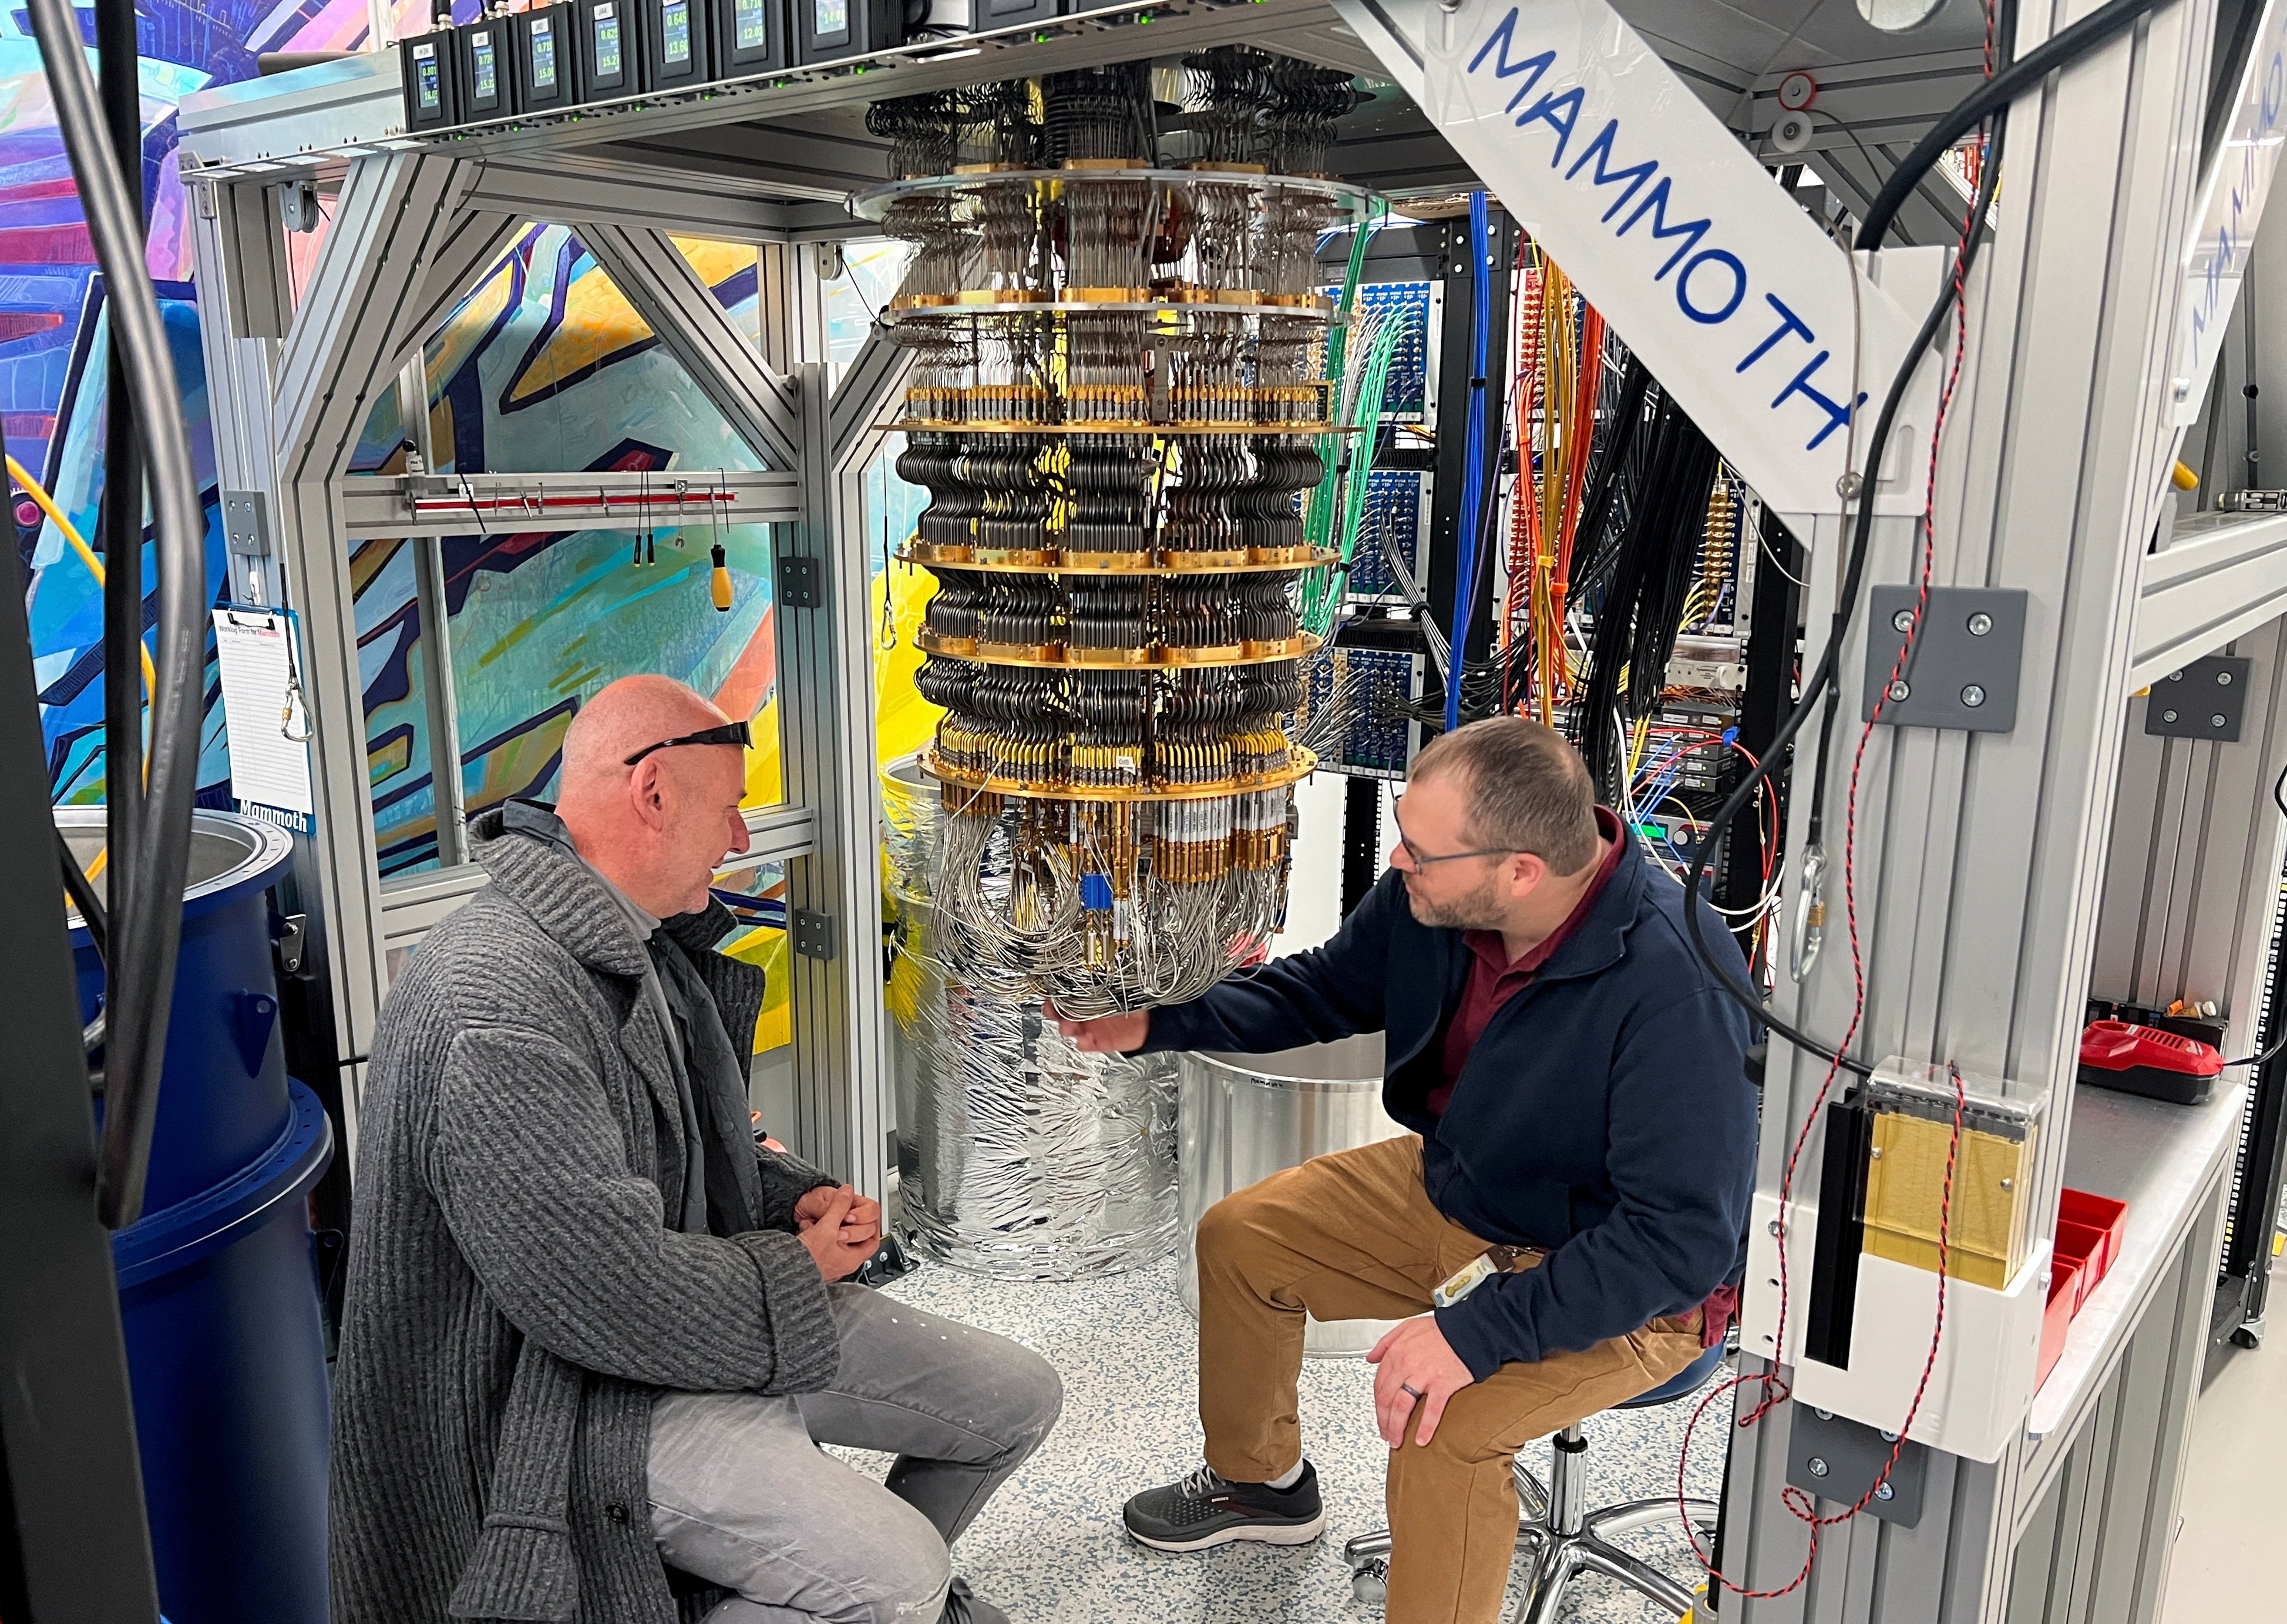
{"x": 47, "y": 505}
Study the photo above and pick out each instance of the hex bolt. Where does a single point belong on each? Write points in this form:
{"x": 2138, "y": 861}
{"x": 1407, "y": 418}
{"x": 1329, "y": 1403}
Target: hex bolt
{"x": 2167, "y": 715}
{"x": 1903, "y": 621}
{"x": 1883, "y": 1490}
{"x": 1899, "y": 690}
{"x": 1980, "y": 624}
{"x": 1817, "y": 1466}
{"x": 2219, "y": 720}
{"x": 1973, "y": 696}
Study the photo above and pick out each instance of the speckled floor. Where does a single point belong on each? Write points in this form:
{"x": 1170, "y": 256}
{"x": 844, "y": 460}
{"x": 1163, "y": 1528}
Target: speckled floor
{"x": 1050, "y": 1549}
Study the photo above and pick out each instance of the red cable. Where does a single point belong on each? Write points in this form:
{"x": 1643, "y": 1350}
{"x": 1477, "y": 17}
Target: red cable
{"x": 1774, "y": 1389}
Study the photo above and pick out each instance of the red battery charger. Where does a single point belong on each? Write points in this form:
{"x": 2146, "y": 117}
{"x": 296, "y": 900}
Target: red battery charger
{"x": 2145, "y": 1060}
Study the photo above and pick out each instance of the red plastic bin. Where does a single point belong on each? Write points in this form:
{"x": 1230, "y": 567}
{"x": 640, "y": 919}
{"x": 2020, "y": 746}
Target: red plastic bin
{"x": 2082, "y": 1244}
{"x": 2098, "y": 1212}
{"x": 2064, "y": 1297}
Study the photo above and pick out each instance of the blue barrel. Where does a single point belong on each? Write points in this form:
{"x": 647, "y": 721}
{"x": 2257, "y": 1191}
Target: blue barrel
{"x": 219, "y": 1299}
{"x": 217, "y": 1282}
{"x": 223, "y": 1102}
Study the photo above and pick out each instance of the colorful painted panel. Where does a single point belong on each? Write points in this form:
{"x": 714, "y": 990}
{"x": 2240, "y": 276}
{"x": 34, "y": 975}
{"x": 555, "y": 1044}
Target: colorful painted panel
{"x": 545, "y": 367}
{"x": 66, "y": 605}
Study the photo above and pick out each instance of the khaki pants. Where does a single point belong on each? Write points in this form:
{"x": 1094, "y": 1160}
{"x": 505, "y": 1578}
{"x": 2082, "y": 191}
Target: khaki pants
{"x": 1353, "y": 1236}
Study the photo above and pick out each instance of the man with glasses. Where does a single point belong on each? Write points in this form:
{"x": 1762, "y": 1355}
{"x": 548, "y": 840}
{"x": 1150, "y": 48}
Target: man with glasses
{"x": 593, "y": 1332}
{"x": 1570, "y": 1204}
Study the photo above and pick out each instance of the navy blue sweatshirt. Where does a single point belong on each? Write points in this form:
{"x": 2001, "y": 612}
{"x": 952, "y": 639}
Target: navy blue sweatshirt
{"x": 1605, "y": 1115}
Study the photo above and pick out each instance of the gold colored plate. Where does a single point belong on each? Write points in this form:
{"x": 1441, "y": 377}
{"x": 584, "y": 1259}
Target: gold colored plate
{"x": 934, "y": 425}
{"x": 1160, "y": 660}
{"x": 1303, "y": 763}
{"x": 926, "y": 557}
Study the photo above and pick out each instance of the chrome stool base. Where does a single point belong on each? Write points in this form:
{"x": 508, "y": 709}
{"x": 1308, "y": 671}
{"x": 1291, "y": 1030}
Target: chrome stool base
{"x": 1563, "y": 1541}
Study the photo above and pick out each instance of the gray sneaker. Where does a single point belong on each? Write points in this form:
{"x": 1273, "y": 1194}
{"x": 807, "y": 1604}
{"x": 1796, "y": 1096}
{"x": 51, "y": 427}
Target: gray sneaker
{"x": 963, "y": 1607}
{"x": 1206, "y": 1509}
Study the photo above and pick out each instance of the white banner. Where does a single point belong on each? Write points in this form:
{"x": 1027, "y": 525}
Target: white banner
{"x": 1740, "y": 305}
{"x": 2239, "y": 180}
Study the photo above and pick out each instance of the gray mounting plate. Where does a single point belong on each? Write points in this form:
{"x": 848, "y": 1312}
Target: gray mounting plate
{"x": 1852, "y": 1455}
{"x": 2205, "y": 700}
{"x": 1953, "y": 665}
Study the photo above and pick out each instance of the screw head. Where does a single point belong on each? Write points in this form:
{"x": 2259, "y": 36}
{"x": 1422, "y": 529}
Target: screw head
{"x": 1899, "y": 690}
{"x": 1980, "y": 624}
{"x": 1817, "y": 1466}
{"x": 1973, "y": 696}
{"x": 1883, "y": 1490}
{"x": 1903, "y": 621}
{"x": 1889, "y": 1438}
{"x": 2223, "y": 679}
{"x": 1824, "y": 1414}
{"x": 2167, "y": 715}
{"x": 1775, "y": 1226}
{"x": 2219, "y": 720}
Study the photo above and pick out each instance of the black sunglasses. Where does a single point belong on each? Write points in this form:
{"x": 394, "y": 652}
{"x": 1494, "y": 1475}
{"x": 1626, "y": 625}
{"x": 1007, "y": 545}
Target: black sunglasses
{"x": 730, "y": 732}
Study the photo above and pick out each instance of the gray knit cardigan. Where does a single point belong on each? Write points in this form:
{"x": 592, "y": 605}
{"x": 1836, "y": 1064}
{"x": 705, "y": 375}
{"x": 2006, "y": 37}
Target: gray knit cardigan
{"x": 515, "y": 1295}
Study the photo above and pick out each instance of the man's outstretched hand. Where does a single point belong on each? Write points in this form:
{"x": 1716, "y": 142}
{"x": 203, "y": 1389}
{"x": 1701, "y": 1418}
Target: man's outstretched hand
{"x": 1107, "y": 1034}
{"x": 1414, "y": 1354}
{"x": 841, "y": 1227}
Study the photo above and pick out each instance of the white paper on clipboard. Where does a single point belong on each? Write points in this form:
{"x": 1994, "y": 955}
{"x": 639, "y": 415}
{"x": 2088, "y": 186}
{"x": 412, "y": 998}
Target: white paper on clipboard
{"x": 263, "y": 710}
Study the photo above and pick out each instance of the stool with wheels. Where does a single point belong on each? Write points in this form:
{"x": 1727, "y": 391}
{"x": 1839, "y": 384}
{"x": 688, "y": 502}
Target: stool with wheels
{"x": 1564, "y": 1537}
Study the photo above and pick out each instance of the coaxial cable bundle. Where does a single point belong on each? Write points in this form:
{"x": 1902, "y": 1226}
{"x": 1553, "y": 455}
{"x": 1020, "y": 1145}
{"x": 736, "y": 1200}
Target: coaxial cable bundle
{"x": 1118, "y": 400}
{"x": 1559, "y": 378}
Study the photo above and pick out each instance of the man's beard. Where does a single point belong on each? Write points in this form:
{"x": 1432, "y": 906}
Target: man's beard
{"x": 1479, "y": 910}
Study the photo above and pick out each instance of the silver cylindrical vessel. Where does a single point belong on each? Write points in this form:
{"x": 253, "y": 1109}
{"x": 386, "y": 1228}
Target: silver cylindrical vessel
{"x": 1018, "y": 1154}
{"x": 1242, "y": 1118}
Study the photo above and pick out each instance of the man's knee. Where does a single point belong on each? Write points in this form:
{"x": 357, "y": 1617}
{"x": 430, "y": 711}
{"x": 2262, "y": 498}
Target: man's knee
{"x": 910, "y": 1571}
{"x": 1232, "y": 1228}
{"x": 1029, "y": 1396}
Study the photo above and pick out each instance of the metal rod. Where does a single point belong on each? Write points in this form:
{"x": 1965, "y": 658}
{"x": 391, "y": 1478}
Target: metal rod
{"x": 426, "y": 507}
{"x": 448, "y": 792}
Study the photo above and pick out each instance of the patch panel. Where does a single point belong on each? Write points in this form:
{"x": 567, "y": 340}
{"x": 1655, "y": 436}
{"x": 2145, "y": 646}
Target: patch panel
{"x": 1382, "y": 737}
{"x": 1412, "y": 396}
{"x": 1397, "y": 507}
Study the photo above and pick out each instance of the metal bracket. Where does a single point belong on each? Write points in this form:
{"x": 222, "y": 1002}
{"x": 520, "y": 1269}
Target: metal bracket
{"x": 288, "y": 946}
{"x": 798, "y": 583}
{"x": 1965, "y": 662}
{"x": 1834, "y": 1459}
{"x": 248, "y": 546}
{"x": 2205, "y": 700}
{"x": 816, "y": 936}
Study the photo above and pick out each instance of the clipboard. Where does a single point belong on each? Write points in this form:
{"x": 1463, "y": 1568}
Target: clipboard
{"x": 266, "y": 717}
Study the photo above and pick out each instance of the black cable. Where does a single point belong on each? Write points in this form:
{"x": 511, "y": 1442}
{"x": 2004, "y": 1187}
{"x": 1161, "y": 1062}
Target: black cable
{"x": 146, "y": 932}
{"x": 2279, "y": 800}
{"x": 1815, "y": 692}
{"x": 2060, "y": 50}
{"x": 83, "y": 897}
{"x": 119, "y": 518}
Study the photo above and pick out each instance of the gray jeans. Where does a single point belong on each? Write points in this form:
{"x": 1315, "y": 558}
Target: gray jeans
{"x": 742, "y": 1497}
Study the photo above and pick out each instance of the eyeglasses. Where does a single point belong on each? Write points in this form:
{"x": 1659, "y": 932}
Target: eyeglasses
{"x": 1421, "y": 860}
{"x": 730, "y": 732}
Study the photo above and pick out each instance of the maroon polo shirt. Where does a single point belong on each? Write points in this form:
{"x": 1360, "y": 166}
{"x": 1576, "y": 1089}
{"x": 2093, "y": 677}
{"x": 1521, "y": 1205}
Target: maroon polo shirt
{"x": 1494, "y": 978}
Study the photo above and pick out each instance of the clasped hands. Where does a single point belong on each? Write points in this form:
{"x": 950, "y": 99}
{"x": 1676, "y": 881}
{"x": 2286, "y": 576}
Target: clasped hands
{"x": 841, "y": 1227}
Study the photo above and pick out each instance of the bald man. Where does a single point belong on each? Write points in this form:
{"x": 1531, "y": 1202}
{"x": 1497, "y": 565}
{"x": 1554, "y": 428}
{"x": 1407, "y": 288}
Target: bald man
{"x": 593, "y": 1332}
